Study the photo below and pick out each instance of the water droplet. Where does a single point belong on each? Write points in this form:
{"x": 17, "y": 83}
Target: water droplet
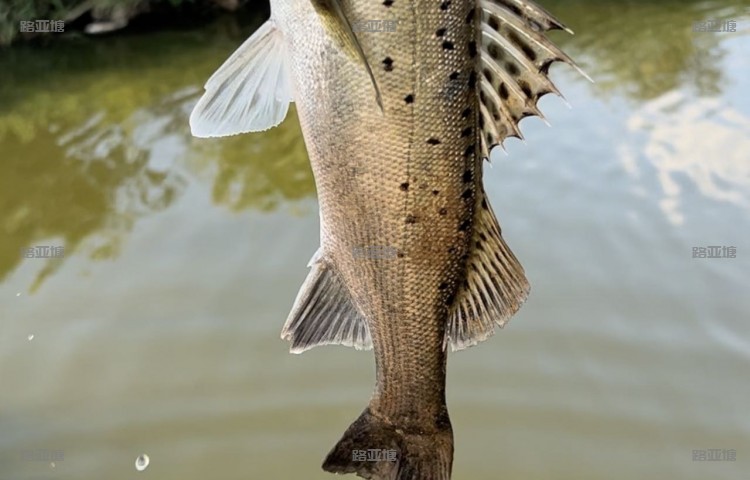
{"x": 141, "y": 462}
{"x": 31, "y": 337}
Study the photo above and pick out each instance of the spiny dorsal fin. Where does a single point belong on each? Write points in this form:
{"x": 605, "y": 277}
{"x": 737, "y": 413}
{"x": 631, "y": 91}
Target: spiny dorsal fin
{"x": 495, "y": 285}
{"x": 513, "y": 66}
{"x": 323, "y": 313}
{"x": 250, "y": 92}
{"x": 338, "y": 26}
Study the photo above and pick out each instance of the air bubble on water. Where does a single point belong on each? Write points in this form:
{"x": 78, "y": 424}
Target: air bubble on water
{"x": 52, "y": 465}
{"x": 31, "y": 337}
{"x": 141, "y": 462}
{"x": 18, "y": 294}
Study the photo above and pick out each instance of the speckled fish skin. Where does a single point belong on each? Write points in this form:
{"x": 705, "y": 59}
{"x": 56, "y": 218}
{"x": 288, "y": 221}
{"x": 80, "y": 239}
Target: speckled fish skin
{"x": 405, "y": 178}
{"x": 408, "y": 178}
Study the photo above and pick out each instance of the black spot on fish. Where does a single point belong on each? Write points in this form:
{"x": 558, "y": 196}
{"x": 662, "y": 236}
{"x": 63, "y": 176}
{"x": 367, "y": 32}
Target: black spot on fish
{"x": 494, "y": 52}
{"x": 436, "y": 192}
{"x": 515, "y": 10}
{"x": 466, "y": 112}
{"x": 440, "y": 32}
{"x": 495, "y": 112}
{"x": 484, "y": 204}
{"x": 466, "y": 284}
{"x": 466, "y": 132}
{"x": 525, "y": 88}
{"x": 490, "y": 138}
{"x": 483, "y": 237}
{"x": 445, "y": 5}
{"x": 410, "y": 219}
{"x": 493, "y": 23}
{"x": 467, "y": 194}
{"x": 400, "y": 254}
{"x": 472, "y": 48}
{"x": 388, "y": 62}
{"x": 409, "y": 98}
{"x": 464, "y": 225}
{"x": 530, "y": 54}
{"x": 487, "y": 74}
{"x": 450, "y": 299}
{"x": 388, "y": 3}
{"x": 469, "y": 150}
{"x": 452, "y": 250}
{"x": 442, "y": 286}
{"x": 448, "y": 45}
{"x": 443, "y": 211}
{"x": 503, "y": 91}
{"x": 433, "y": 141}
{"x": 470, "y": 16}
{"x": 404, "y": 186}
{"x": 512, "y": 68}
{"x": 454, "y": 76}
{"x": 472, "y": 80}
{"x": 467, "y": 176}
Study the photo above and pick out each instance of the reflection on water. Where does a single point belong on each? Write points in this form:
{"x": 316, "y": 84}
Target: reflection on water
{"x": 158, "y": 330}
{"x": 703, "y": 140}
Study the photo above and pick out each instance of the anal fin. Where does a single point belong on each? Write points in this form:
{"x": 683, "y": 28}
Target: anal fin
{"x": 324, "y": 314}
{"x": 495, "y": 284}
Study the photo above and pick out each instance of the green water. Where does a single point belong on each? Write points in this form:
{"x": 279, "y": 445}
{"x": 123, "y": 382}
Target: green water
{"x": 157, "y": 331}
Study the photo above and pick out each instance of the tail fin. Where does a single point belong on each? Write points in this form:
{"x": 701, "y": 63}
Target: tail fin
{"x": 375, "y": 449}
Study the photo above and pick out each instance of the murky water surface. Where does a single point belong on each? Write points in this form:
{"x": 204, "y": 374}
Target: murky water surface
{"x": 155, "y": 329}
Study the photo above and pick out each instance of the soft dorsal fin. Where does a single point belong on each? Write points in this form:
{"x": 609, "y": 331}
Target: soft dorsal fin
{"x": 513, "y": 65}
{"x": 250, "y": 92}
{"x": 495, "y": 285}
{"x": 324, "y": 314}
{"x": 338, "y": 26}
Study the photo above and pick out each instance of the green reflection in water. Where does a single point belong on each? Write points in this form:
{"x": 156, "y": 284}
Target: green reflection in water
{"x": 643, "y": 49}
{"x": 94, "y": 134}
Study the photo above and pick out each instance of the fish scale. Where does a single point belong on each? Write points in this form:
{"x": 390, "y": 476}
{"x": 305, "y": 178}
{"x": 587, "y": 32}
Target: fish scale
{"x": 397, "y": 125}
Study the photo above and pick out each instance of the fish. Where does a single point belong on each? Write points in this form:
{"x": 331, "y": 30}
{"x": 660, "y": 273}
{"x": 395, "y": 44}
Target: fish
{"x": 400, "y": 103}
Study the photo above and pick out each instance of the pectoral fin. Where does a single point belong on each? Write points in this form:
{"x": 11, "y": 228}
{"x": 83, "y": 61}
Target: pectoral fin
{"x": 250, "y": 92}
{"x": 338, "y": 26}
{"x": 495, "y": 285}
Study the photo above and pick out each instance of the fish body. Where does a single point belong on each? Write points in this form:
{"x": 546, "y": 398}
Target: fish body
{"x": 397, "y": 124}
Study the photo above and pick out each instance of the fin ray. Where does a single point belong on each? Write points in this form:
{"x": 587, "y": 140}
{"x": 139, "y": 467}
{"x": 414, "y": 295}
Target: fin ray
{"x": 324, "y": 314}
{"x": 515, "y": 58}
{"x": 495, "y": 286}
{"x": 250, "y": 92}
